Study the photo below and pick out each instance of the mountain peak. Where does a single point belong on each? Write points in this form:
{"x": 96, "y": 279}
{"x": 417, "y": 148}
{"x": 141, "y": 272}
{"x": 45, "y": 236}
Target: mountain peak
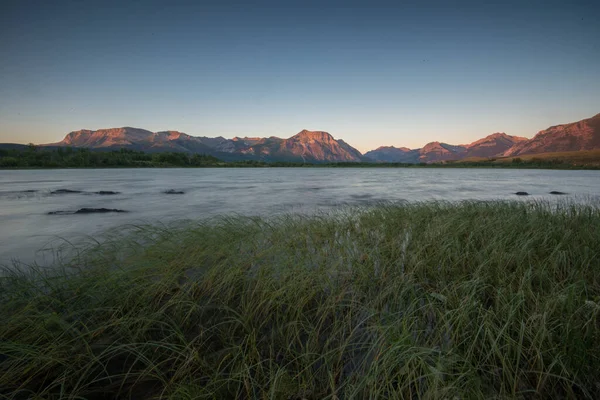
{"x": 432, "y": 145}
{"x": 313, "y": 135}
{"x": 436, "y": 151}
{"x": 393, "y": 154}
{"x": 504, "y": 135}
{"x": 172, "y": 135}
{"x": 497, "y": 139}
{"x": 392, "y": 148}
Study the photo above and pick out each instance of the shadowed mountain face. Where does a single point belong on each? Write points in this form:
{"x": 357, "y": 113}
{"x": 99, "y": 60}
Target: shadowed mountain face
{"x": 576, "y": 136}
{"x": 393, "y": 154}
{"x": 310, "y": 146}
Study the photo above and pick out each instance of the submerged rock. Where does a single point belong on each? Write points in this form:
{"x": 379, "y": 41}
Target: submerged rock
{"x": 522, "y": 194}
{"x": 87, "y": 211}
{"x": 557, "y": 192}
{"x": 65, "y": 191}
{"x": 98, "y": 210}
{"x": 173, "y": 191}
{"x": 106, "y": 192}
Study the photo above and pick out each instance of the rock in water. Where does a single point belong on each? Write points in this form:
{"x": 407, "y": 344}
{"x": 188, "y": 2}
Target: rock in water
{"x": 65, "y": 191}
{"x": 172, "y": 191}
{"x": 557, "y": 192}
{"x": 107, "y": 192}
{"x": 87, "y": 211}
{"x": 98, "y": 210}
{"x": 522, "y": 194}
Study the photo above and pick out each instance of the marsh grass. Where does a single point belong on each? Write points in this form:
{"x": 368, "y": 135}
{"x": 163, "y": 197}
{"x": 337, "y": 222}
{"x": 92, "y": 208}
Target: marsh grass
{"x": 431, "y": 300}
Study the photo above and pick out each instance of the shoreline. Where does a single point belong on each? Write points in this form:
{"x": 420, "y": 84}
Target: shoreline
{"x": 84, "y": 158}
{"x": 366, "y": 166}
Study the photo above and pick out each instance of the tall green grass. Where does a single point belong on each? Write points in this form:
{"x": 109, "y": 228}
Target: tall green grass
{"x": 434, "y": 300}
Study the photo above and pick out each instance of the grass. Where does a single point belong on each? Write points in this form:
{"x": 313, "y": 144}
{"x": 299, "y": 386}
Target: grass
{"x": 591, "y": 157}
{"x": 583, "y": 159}
{"x": 418, "y": 301}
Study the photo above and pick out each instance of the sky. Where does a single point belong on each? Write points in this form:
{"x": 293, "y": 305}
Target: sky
{"x": 373, "y": 73}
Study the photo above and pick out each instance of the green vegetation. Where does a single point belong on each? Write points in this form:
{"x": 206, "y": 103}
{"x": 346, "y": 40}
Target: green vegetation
{"x": 433, "y": 300}
{"x": 67, "y": 157}
{"x": 565, "y": 160}
{"x": 35, "y": 157}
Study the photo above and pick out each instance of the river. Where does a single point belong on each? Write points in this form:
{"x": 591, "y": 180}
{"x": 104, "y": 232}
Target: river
{"x": 26, "y": 197}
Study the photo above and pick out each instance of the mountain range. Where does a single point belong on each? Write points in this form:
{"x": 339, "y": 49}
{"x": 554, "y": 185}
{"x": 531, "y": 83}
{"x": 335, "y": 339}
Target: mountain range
{"x": 489, "y": 146}
{"x": 319, "y": 146}
{"x": 308, "y": 146}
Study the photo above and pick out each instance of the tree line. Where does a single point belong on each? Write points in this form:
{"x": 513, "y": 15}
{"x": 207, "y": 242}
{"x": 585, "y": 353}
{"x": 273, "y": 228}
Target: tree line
{"x": 67, "y": 157}
{"x": 32, "y": 156}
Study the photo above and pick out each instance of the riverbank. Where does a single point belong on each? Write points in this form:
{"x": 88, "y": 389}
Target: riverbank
{"x": 474, "y": 300}
{"x": 70, "y": 158}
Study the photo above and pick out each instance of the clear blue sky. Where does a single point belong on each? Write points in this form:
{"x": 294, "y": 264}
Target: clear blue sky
{"x": 373, "y": 73}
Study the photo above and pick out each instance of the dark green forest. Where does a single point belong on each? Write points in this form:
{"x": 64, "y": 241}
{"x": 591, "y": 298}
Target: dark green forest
{"x": 36, "y": 157}
{"x": 32, "y": 156}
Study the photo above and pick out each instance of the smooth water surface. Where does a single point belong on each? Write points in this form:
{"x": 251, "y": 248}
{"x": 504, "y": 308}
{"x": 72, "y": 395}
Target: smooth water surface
{"x": 26, "y": 199}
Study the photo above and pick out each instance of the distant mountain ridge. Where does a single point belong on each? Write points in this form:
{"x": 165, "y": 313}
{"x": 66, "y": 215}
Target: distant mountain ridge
{"x": 139, "y": 138}
{"x": 309, "y": 146}
{"x": 574, "y": 136}
{"x": 489, "y": 146}
{"x": 320, "y": 146}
